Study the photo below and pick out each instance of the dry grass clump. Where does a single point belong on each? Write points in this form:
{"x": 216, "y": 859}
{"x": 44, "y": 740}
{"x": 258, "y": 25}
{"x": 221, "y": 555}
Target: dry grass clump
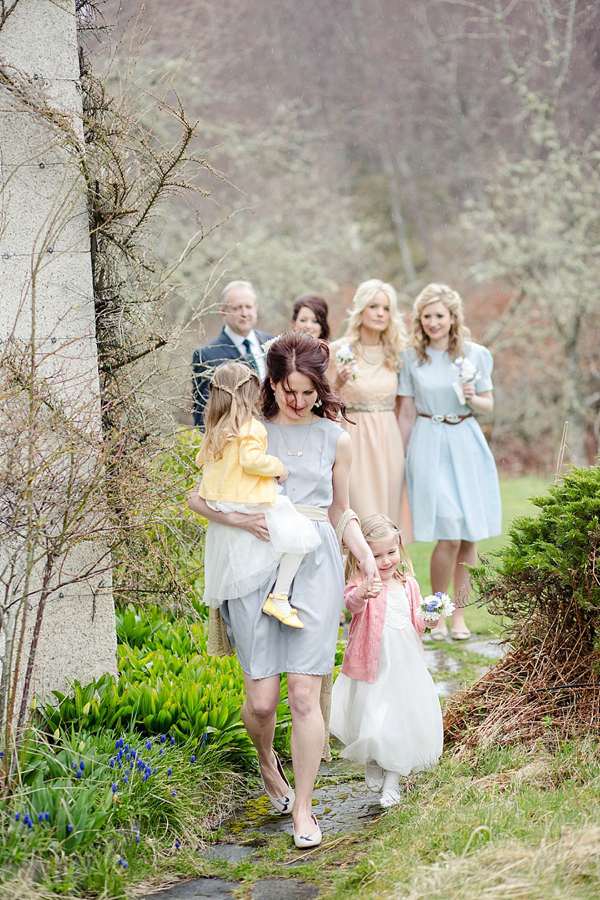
{"x": 546, "y": 585}
{"x": 568, "y": 867}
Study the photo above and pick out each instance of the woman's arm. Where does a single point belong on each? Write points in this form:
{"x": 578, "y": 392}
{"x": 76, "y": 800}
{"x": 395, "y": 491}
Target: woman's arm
{"x": 255, "y": 524}
{"x": 407, "y": 413}
{"x": 352, "y": 537}
{"x": 479, "y": 403}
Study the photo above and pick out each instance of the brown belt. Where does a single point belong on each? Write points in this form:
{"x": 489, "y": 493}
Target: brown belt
{"x": 450, "y": 419}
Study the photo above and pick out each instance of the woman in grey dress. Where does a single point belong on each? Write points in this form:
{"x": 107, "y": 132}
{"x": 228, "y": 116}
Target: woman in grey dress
{"x": 300, "y": 412}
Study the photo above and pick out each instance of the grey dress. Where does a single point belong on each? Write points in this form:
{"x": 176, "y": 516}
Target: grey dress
{"x": 263, "y": 645}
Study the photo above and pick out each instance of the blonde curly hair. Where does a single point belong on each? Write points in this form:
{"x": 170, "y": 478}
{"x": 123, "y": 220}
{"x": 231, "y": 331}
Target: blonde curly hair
{"x": 459, "y": 333}
{"x": 233, "y": 401}
{"x": 394, "y": 338}
{"x": 378, "y": 527}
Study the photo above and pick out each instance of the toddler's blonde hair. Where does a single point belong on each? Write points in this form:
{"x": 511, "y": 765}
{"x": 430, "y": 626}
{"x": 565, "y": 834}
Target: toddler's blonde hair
{"x": 377, "y": 528}
{"x": 233, "y": 400}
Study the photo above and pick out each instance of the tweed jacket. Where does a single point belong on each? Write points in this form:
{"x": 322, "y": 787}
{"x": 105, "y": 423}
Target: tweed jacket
{"x": 219, "y": 350}
{"x": 364, "y": 638}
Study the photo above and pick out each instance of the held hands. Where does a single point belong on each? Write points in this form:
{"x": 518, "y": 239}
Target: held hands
{"x": 366, "y": 590}
{"x": 281, "y": 478}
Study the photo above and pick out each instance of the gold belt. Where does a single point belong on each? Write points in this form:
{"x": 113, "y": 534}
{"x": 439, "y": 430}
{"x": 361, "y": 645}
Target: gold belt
{"x": 316, "y": 513}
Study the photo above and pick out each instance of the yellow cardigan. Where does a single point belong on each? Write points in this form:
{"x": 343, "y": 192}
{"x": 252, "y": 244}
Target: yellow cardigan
{"x": 245, "y": 473}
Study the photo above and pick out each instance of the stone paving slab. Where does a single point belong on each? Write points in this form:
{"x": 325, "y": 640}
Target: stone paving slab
{"x": 216, "y": 888}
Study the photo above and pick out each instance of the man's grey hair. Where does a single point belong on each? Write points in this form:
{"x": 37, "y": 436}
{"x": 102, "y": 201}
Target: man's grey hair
{"x": 231, "y": 286}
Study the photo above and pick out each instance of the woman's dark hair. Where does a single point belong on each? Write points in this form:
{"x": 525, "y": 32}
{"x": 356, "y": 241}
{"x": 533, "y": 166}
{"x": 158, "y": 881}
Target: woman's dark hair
{"x": 318, "y": 306}
{"x": 296, "y": 351}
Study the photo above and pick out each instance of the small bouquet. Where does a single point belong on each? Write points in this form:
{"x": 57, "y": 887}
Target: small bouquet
{"x": 436, "y": 605}
{"x": 344, "y": 355}
{"x": 467, "y": 372}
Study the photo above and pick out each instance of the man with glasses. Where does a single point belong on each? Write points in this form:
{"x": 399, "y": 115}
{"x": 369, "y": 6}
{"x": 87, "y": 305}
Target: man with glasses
{"x": 238, "y": 340}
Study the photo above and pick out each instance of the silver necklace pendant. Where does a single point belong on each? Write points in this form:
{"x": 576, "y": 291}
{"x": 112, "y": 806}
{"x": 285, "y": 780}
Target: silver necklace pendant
{"x": 291, "y": 453}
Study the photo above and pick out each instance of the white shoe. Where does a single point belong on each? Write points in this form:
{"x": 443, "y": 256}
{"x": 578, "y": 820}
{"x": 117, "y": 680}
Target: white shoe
{"x": 312, "y": 839}
{"x": 389, "y": 798}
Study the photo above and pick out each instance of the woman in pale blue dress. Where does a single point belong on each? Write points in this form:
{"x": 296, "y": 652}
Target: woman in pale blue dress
{"x": 300, "y": 412}
{"x": 451, "y": 475}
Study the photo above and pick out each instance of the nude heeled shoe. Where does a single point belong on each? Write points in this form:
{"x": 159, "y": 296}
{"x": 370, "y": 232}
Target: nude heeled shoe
{"x": 286, "y": 618}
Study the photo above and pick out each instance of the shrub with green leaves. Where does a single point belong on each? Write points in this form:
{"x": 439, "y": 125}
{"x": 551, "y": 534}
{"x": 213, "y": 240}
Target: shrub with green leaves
{"x": 167, "y": 685}
{"x": 163, "y": 562}
{"x": 545, "y": 584}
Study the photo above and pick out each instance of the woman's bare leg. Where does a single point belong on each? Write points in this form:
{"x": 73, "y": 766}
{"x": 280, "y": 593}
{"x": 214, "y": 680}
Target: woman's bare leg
{"x": 467, "y": 556}
{"x": 442, "y": 568}
{"x": 259, "y": 716}
{"x": 308, "y": 734}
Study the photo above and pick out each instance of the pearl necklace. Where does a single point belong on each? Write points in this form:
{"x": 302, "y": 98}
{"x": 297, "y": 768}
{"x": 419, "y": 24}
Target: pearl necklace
{"x": 376, "y": 356}
{"x": 292, "y": 452}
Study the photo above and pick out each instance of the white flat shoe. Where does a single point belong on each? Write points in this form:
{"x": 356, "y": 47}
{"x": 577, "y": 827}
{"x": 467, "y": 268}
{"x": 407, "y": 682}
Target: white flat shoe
{"x": 312, "y": 839}
{"x": 389, "y": 798}
{"x": 283, "y": 805}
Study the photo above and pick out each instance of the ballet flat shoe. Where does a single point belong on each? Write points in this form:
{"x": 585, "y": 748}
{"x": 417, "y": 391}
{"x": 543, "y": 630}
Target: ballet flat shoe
{"x": 312, "y": 839}
{"x": 438, "y": 635}
{"x": 283, "y": 805}
{"x": 389, "y": 798}
{"x": 462, "y": 635}
{"x": 290, "y": 619}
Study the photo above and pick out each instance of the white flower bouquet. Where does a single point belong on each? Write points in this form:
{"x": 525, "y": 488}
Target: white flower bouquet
{"x": 467, "y": 372}
{"x": 344, "y": 355}
{"x": 436, "y": 605}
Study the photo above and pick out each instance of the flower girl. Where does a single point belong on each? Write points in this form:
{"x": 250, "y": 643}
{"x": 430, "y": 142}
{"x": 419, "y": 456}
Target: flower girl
{"x": 239, "y": 476}
{"x": 385, "y": 708}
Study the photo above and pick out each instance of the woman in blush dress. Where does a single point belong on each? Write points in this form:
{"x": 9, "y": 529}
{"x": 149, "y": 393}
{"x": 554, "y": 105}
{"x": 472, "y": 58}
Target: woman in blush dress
{"x": 450, "y": 471}
{"x": 310, "y": 315}
{"x": 375, "y": 337}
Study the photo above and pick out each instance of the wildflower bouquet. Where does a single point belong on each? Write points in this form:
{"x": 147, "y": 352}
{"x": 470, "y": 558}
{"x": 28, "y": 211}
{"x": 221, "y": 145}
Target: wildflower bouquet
{"x": 467, "y": 372}
{"x": 344, "y": 355}
{"x": 436, "y": 605}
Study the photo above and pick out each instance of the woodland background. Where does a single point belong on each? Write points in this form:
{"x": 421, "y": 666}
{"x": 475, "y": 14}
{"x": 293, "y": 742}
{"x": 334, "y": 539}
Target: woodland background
{"x": 409, "y": 140}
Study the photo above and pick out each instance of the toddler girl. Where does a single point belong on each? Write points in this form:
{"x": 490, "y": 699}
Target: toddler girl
{"x": 384, "y": 707}
{"x": 239, "y": 476}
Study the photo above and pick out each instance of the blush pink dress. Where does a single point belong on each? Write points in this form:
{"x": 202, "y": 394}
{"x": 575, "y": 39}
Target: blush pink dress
{"x": 377, "y": 473}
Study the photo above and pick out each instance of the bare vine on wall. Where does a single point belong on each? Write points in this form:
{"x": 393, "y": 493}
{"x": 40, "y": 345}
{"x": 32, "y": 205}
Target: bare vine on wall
{"x": 63, "y": 480}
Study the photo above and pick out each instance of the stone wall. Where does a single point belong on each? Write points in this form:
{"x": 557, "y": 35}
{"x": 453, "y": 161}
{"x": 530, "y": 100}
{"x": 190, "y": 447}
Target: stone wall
{"x": 47, "y": 305}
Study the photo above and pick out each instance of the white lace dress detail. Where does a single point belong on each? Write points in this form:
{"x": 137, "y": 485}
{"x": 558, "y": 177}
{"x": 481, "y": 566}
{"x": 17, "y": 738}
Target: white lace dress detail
{"x": 397, "y": 609}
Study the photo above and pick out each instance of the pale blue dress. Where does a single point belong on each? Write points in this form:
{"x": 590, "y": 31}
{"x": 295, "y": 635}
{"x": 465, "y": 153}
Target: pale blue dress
{"x": 451, "y": 475}
{"x": 263, "y": 645}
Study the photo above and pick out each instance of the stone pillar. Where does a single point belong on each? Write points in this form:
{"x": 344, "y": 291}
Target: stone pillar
{"x": 47, "y": 304}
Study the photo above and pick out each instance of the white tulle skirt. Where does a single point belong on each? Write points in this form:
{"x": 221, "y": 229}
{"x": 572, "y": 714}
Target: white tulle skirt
{"x": 394, "y": 724}
{"x": 237, "y": 563}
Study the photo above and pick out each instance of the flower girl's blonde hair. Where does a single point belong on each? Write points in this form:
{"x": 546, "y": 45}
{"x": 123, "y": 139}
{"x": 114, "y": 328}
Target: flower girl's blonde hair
{"x": 234, "y": 392}
{"x": 377, "y": 528}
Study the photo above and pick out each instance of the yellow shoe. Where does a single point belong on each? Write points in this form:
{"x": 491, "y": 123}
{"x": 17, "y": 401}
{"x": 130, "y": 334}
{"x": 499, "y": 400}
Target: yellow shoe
{"x": 286, "y": 618}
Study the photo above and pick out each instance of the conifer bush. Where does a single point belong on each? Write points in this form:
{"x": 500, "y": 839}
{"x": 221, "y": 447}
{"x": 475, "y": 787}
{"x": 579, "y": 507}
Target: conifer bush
{"x": 545, "y": 585}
